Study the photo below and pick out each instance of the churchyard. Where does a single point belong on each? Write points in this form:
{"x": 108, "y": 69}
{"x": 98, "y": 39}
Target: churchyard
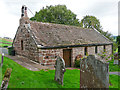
{"x": 24, "y": 78}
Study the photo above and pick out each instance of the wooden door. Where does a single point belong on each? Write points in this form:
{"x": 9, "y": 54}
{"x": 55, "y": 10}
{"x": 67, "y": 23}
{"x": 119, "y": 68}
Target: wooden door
{"x": 67, "y": 57}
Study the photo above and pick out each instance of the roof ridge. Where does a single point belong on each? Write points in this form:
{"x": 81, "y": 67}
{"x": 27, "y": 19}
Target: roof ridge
{"x": 47, "y": 23}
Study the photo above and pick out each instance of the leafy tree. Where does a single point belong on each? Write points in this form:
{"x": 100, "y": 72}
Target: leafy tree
{"x": 58, "y": 14}
{"x": 118, "y": 41}
{"x": 94, "y": 23}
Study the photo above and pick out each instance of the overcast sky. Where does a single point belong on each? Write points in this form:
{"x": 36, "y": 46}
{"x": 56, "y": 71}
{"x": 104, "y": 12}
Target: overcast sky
{"x": 105, "y": 10}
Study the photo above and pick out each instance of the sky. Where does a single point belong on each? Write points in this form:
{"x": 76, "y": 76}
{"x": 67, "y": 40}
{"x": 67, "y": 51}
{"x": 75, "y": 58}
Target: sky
{"x": 104, "y": 10}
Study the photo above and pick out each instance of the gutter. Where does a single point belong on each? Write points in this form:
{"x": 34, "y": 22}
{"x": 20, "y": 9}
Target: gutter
{"x": 69, "y": 46}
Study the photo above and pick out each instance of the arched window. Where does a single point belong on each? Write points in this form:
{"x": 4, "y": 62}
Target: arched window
{"x": 21, "y": 44}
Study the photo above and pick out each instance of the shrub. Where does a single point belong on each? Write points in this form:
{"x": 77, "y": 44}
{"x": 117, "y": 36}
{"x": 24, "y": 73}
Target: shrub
{"x": 11, "y": 51}
{"x": 77, "y": 63}
{"x": 5, "y": 46}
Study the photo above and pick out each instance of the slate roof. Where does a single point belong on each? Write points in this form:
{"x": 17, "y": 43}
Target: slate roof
{"x": 48, "y": 34}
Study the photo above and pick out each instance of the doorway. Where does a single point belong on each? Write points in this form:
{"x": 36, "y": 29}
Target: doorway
{"x": 67, "y": 57}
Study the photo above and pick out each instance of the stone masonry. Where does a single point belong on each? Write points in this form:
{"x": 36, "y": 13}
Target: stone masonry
{"x": 48, "y": 56}
{"x": 30, "y": 49}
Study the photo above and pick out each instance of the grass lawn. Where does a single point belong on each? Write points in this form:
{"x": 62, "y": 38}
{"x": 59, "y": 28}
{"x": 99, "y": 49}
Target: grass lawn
{"x": 2, "y": 45}
{"x": 0, "y": 71}
{"x": 115, "y": 81}
{"x": 112, "y": 67}
{"x": 5, "y": 42}
{"x": 24, "y": 78}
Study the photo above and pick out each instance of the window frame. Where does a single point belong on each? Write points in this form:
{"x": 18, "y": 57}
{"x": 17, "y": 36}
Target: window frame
{"x": 22, "y": 45}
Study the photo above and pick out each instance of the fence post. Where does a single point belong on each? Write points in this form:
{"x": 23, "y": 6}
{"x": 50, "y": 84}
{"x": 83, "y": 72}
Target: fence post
{"x": 2, "y": 59}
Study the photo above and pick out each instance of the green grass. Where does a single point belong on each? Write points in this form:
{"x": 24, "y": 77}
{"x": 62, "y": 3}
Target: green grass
{"x": 115, "y": 81}
{"x": 3, "y": 40}
{"x": 24, "y": 78}
{"x": 2, "y": 45}
{"x": 0, "y": 71}
{"x": 112, "y": 67}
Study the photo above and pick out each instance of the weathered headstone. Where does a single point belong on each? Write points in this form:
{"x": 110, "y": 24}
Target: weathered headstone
{"x": 94, "y": 73}
{"x": 116, "y": 62}
{"x": 59, "y": 70}
{"x": 6, "y": 79}
{"x": 116, "y": 59}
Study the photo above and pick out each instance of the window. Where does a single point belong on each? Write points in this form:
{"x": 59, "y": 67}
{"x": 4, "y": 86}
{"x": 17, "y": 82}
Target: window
{"x": 21, "y": 44}
{"x": 104, "y": 49}
{"x": 85, "y": 49}
{"x": 95, "y": 49}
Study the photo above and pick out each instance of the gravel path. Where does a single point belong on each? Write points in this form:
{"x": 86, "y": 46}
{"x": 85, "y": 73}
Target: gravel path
{"x": 29, "y": 64}
{"x": 116, "y": 73}
{"x": 3, "y": 50}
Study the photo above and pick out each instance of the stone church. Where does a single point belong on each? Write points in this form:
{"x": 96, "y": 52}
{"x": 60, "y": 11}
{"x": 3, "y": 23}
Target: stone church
{"x": 43, "y": 42}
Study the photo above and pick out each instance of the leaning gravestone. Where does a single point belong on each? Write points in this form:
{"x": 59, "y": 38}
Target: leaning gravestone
{"x": 93, "y": 73}
{"x": 59, "y": 70}
{"x": 6, "y": 79}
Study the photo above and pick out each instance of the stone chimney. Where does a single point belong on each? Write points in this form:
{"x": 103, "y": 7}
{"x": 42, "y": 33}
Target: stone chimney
{"x": 24, "y": 17}
{"x": 24, "y": 11}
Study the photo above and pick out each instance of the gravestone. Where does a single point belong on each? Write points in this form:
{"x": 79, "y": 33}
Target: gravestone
{"x": 6, "y": 79}
{"x": 94, "y": 73}
{"x": 116, "y": 62}
{"x": 59, "y": 70}
{"x": 116, "y": 59}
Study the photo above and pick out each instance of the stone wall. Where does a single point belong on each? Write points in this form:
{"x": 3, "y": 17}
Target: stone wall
{"x": 108, "y": 51}
{"x": 100, "y": 49}
{"x": 29, "y": 46}
{"x": 48, "y": 56}
{"x": 91, "y": 50}
{"x": 76, "y": 51}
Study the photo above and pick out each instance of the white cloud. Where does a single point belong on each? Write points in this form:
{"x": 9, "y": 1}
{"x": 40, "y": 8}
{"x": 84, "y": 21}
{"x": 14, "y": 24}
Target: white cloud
{"x": 9, "y": 22}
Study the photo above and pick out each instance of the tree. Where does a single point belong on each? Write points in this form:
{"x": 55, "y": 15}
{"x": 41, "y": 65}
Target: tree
{"x": 58, "y": 14}
{"x": 94, "y": 23}
{"x": 118, "y": 41}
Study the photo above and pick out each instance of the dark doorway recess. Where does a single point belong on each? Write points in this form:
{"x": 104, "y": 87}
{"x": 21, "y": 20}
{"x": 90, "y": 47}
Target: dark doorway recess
{"x": 67, "y": 57}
